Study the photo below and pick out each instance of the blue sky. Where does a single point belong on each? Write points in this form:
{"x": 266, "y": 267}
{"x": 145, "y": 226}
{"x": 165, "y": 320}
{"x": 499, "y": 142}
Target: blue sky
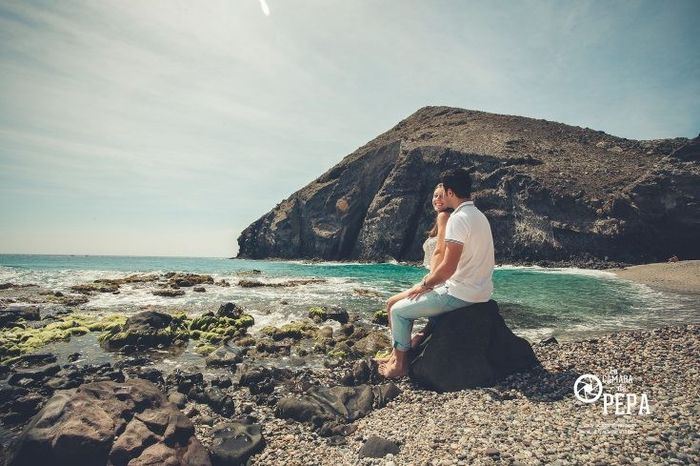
{"x": 166, "y": 127}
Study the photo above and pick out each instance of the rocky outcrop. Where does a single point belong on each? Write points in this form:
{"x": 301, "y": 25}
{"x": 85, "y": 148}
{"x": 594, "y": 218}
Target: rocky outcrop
{"x": 470, "y": 347}
{"x": 109, "y": 423}
{"x": 330, "y": 408}
{"x": 551, "y": 192}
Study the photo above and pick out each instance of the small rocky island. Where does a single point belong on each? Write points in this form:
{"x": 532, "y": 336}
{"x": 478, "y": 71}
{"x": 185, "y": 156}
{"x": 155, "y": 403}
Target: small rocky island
{"x": 552, "y": 192}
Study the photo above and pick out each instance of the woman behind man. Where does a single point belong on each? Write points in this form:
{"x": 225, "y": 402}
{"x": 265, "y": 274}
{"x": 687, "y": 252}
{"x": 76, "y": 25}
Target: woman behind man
{"x": 434, "y": 251}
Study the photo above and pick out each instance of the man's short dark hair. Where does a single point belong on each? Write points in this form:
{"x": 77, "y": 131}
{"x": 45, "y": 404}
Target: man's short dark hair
{"x": 458, "y": 180}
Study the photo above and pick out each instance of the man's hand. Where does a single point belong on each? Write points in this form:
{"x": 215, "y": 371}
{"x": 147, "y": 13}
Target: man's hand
{"x": 417, "y": 291}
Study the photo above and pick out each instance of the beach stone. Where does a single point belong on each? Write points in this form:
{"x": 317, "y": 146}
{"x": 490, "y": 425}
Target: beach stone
{"x": 470, "y": 347}
{"x": 109, "y": 423}
{"x": 184, "y": 380}
{"x": 236, "y": 441}
{"x": 35, "y": 374}
{"x": 372, "y": 343}
{"x": 146, "y": 329}
{"x": 168, "y": 292}
{"x": 378, "y": 447}
{"x": 340, "y": 403}
{"x": 178, "y": 399}
{"x": 95, "y": 287}
{"x": 226, "y": 355}
{"x": 33, "y": 359}
{"x": 322, "y": 313}
{"x": 230, "y": 310}
{"x": 189, "y": 279}
{"x": 549, "y": 341}
{"x": 10, "y": 315}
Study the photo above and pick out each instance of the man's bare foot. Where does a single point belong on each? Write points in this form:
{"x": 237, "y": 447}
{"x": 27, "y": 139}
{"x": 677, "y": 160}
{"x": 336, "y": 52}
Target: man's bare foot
{"x": 392, "y": 370}
{"x": 384, "y": 357}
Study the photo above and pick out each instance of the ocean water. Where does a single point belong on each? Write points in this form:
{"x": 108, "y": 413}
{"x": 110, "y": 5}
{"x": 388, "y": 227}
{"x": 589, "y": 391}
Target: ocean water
{"x": 536, "y": 302}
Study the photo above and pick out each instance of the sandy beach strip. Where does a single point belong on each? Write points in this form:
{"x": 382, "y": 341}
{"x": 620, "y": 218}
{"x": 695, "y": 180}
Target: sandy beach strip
{"x": 679, "y": 277}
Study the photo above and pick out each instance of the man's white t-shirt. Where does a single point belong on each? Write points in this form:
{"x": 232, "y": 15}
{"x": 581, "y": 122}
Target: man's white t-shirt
{"x": 472, "y": 281}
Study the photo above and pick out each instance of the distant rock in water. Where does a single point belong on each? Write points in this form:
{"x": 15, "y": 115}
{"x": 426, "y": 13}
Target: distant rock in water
{"x": 551, "y": 191}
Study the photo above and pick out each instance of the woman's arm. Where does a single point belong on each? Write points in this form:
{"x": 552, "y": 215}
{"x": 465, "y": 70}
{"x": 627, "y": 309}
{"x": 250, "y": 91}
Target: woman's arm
{"x": 439, "y": 253}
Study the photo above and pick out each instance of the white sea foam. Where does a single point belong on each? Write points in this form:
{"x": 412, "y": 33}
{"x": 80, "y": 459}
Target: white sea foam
{"x": 639, "y": 306}
{"x": 560, "y": 270}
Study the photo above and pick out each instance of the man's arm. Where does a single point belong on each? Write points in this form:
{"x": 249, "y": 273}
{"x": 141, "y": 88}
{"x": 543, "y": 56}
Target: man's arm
{"x": 447, "y": 268}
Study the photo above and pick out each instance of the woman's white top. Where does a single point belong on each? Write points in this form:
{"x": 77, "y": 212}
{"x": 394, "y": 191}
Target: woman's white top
{"x": 429, "y": 248}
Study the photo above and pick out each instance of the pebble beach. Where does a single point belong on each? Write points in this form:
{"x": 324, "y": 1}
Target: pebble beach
{"x": 646, "y": 412}
{"x": 533, "y": 418}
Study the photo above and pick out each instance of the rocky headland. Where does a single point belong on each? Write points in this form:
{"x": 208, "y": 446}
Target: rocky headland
{"x": 554, "y": 194}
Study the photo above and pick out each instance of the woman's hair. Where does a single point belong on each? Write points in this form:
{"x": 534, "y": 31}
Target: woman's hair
{"x": 434, "y": 229}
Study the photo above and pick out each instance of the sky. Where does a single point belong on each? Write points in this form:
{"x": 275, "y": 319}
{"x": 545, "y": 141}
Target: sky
{"x": 166, "y": 127}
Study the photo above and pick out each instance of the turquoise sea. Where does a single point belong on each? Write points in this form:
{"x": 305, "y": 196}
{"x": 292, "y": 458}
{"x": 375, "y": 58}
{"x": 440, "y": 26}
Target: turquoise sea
{"x": 536, "y": 302}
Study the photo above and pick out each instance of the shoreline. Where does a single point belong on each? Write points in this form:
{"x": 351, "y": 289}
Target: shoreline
{"x": 681, "y": 277}
{"x": 529, "y": 418}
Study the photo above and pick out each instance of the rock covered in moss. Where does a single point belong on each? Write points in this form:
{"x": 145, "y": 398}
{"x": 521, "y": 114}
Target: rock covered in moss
{"x": 230, "y": 320}
{"x": 322, "y": 313}
{"x": 380, "y": 317}
{"x": 147, "y": 329}
{"x": 296, "y": 330}
{"x": 21, "y": 339}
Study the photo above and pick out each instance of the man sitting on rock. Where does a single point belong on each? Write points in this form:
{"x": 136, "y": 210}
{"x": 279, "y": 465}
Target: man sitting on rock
{"x": 463, "y": 278}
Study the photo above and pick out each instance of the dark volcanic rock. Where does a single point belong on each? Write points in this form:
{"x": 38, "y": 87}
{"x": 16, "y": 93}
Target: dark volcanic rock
{"x": 226, "y": 355}
{"x": 322, "y": 313}
{"x": 11, "y": 314}
{"x": 346, "y": 404}
{"x": 146, "y": 329}
{"x": 377, "y": 447}
{"x": 103, "y": 422}
{"x": 551, "y": 192}
{"x": 234, "y": 442}
{"x": 470, "y": 347}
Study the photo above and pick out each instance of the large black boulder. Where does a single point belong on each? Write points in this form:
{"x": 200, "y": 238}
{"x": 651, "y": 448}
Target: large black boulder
{"x": 470, "y": 347}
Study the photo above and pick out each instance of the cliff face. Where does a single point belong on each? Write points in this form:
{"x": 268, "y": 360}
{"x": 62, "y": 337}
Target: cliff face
{"x": 551, "y": 192}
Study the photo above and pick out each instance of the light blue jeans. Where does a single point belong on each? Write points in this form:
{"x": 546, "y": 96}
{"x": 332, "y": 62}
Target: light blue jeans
{"x": 430, "y": 304}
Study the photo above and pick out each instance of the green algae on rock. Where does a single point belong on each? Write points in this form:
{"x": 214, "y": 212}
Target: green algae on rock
{"x": 295, "y": 330}
{"x": 380, "y": 317}
{"x": 147, "y": 329}
{"x": 322, "y": 313}
{"x": 22, "y": 339}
